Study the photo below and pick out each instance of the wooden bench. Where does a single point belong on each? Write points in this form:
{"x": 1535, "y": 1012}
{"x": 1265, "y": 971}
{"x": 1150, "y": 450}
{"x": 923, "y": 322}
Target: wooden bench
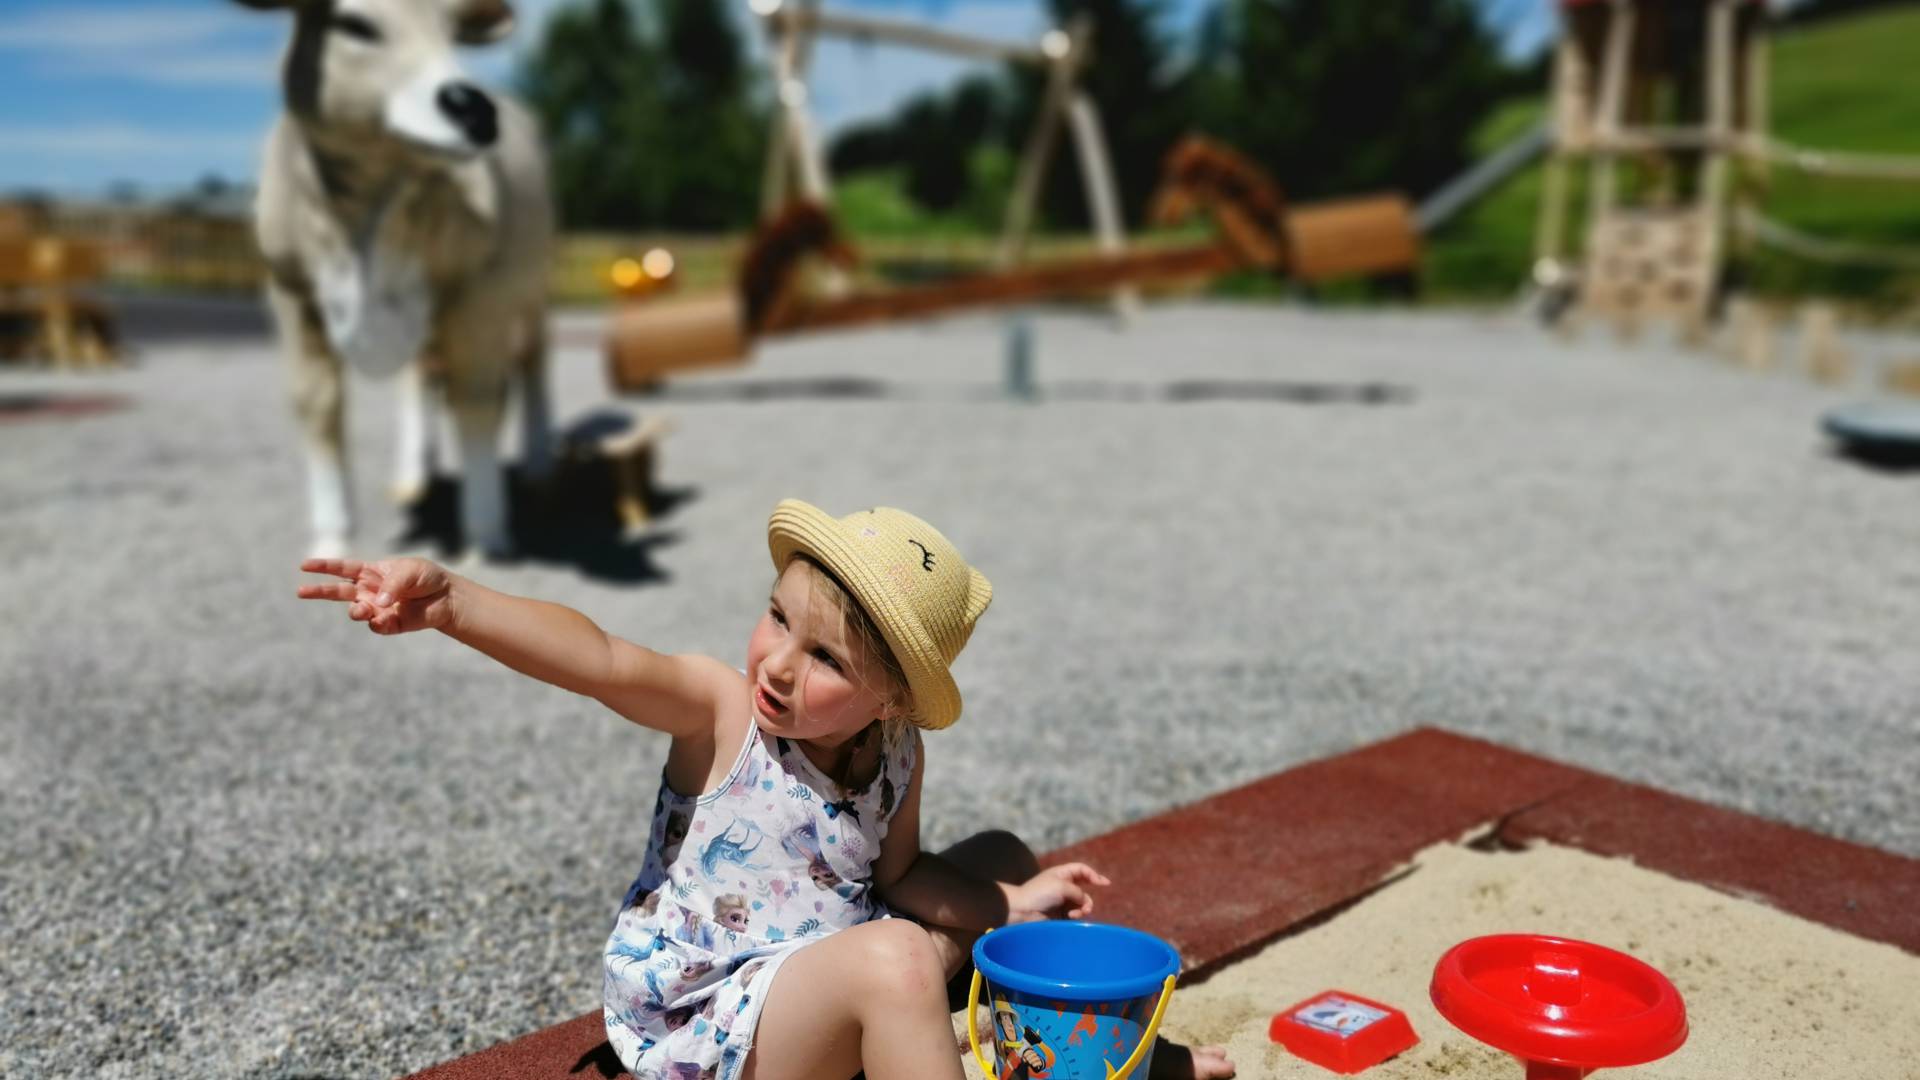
{"x": 41, "y": 316}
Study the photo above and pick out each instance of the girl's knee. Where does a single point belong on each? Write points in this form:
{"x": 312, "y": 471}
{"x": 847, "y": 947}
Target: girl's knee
{"x": 899, "y": 957}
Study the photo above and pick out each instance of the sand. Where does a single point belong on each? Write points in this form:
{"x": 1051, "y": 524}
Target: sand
{"x": 1767, "y": 994}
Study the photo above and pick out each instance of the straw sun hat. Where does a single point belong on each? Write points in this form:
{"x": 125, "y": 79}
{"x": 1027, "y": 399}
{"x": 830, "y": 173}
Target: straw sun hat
{"x": 921, "y": 594}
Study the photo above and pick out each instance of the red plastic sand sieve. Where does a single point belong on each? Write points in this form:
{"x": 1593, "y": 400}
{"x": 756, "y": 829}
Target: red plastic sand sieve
{"x": 1563, "y": 1007}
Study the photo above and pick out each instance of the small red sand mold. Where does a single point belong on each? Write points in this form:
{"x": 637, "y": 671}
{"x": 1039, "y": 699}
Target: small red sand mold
{"x": 1341, "y": 1031}
{"x": 1563, "y": 1007}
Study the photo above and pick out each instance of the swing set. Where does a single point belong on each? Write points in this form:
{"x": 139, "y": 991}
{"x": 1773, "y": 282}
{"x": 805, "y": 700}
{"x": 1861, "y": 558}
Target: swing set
{"x": 1256, "y": 229}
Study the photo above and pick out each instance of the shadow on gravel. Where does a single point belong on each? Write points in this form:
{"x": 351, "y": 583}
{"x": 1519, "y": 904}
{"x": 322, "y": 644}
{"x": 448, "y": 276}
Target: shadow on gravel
{"x": 1197, "y": 390}
{"x": 569, "y": 522}
{"x": 750, "y": 391}
{"x": 14, "y": 407}
{"x": 1897, "y": 460}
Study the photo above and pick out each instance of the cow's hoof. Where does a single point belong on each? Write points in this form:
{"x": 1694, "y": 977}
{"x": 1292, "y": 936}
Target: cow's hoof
{"x": 408, "y": 491}
{"x": 484, "y": 554}
{"x": 329, "y": 547}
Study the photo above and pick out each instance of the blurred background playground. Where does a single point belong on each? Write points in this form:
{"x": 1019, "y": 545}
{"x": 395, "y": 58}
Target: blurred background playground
{"x": 660, "y": 116}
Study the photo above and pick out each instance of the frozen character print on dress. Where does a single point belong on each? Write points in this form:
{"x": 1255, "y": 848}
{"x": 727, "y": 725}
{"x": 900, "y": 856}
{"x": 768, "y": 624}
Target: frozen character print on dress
{"x": 732, "y": 882}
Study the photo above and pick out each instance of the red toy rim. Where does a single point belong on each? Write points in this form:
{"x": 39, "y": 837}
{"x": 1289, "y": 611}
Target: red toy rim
{"x": 1542, "y": 1031}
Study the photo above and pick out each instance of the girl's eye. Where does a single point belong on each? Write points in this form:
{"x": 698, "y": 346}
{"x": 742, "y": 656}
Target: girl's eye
{"x": 356, "y": 26}
{"x": 779, "y": 619}
{"x": 826, "y": 658}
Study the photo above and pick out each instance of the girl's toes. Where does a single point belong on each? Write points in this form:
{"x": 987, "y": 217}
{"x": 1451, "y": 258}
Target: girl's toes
{"x": 1211, "y": 1063}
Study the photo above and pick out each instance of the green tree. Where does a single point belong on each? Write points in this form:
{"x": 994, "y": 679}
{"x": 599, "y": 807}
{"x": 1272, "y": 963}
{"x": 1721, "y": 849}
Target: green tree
{"x": 1140, "y": 92}
{"x": 1346, "y": 97}
{"x": 933, "y": 136}
{"x": 650, "y": 114}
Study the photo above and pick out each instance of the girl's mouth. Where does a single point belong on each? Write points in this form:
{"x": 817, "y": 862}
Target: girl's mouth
{"x": 768, "y": 707}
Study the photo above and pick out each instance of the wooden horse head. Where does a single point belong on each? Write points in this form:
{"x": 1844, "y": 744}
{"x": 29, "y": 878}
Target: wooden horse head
{"x": 769, "y": 273}
{"x": 1244, "y": 202}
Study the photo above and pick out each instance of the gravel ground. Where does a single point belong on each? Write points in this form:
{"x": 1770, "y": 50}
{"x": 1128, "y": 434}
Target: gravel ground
{"x": 243, "y": 837}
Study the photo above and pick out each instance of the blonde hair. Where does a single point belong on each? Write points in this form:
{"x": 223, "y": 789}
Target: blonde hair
{"x": 865, "y": 635}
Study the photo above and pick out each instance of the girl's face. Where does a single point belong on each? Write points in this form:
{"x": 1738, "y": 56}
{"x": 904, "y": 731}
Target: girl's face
{"x": 812, "y": 679}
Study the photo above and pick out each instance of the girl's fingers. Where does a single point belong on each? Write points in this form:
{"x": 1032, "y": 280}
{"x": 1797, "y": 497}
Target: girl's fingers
{"x": 339, "y": 590}
{"x": 1083, "y": 872}
{"x": 359, "y": 612}
{"x": 345, "y": 568}
{"x": 403, "y": 579}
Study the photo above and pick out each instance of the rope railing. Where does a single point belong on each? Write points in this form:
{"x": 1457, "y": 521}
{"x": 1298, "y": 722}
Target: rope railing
{"x": 1772, "y": 232}
{"x": 1836, "y": 163}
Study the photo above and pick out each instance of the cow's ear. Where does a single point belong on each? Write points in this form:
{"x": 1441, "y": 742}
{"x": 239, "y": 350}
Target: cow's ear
{"x": 480, "y": 22}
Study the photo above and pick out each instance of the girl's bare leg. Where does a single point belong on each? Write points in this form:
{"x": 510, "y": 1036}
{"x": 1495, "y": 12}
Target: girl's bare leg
{"x": 870, "y": 997}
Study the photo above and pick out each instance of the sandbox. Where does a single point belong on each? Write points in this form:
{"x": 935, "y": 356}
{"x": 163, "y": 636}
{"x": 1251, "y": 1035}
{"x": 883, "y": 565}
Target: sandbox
{"x": 1767, "y": 994}
{"x": 1798, "y": 954}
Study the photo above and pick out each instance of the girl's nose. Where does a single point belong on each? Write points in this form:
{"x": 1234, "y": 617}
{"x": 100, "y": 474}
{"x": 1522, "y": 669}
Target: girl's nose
{"x": 779, "y": 663}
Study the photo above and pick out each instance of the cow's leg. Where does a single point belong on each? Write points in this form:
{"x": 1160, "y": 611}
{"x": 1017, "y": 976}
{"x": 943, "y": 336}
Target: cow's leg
{"x": 319, "y": 401}
{"x": 536, "y": 409}
{"x": 478, "y": 404}
{"x": 414, "y": 447}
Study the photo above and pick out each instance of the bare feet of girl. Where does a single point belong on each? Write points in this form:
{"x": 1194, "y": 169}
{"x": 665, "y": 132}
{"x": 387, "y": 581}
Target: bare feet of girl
{"x": 1172, "y": 1061}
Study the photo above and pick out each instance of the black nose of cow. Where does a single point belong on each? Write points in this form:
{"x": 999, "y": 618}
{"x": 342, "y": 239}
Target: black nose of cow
{"x": 466, "y": 105}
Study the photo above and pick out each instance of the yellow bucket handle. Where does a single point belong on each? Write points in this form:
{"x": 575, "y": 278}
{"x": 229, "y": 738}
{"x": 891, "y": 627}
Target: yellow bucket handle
{"x": 1140, "y": 1051}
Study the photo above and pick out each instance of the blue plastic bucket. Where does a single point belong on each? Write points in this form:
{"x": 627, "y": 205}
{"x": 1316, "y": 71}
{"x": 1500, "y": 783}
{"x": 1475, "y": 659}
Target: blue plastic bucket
{"x": 1070, "y": 1000}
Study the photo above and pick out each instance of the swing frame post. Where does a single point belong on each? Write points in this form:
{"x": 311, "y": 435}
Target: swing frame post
{"x": 793, "y": 148}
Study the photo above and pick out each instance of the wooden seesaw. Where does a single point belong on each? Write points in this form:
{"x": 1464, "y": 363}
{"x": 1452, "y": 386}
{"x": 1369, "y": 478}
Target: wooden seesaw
{"x": 1254, "y": 229}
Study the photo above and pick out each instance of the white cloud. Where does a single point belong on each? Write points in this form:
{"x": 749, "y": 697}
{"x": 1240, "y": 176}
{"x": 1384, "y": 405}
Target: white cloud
{"x": 116, "y": 141}
{"x": 116, "y": 29}
{"x": 211, "y": 45}
{"x": 250, "y": 69}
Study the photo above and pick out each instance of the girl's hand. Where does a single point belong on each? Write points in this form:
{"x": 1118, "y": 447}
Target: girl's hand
{"x": 392, "y": 596}
{"x": 1058, "y": 892}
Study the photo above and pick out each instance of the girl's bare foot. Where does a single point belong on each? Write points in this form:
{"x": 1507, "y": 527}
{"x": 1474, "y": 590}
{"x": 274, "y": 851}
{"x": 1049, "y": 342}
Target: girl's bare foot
{"x": 1171, "y": 1061}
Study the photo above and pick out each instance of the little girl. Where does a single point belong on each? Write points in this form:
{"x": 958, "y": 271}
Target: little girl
{"x": 759, "y": 941}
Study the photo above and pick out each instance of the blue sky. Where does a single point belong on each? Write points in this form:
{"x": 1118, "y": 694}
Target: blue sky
{"x": 163, "y": 92}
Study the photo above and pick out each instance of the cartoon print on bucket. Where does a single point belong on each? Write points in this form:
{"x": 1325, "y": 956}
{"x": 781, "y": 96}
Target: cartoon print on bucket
{"x": 1070, "y": 1000}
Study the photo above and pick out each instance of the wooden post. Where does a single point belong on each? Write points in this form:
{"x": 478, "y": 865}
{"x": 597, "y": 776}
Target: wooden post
{"x": 1039, "y": 150}
{"x": 1097, "y": 172}
{"x": 792, "y": 145}
{"x": 1568, "y": 131}
{"x": 1615, "y": 73}
{"x": 773, "y": 181}
{"x": 1719, "y": 93}
{"x": 1821, "y": 353}
{"x": 1902, "y": 377}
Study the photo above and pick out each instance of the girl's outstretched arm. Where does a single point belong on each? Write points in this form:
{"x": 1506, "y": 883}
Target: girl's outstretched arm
{"x": 680, "y": 695}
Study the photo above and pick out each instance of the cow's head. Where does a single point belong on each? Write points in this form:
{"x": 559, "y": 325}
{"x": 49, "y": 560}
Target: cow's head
{"x": 385, "y": 69}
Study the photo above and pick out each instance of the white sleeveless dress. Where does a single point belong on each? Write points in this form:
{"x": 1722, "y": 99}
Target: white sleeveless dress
{"x": 734, "y": 881}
